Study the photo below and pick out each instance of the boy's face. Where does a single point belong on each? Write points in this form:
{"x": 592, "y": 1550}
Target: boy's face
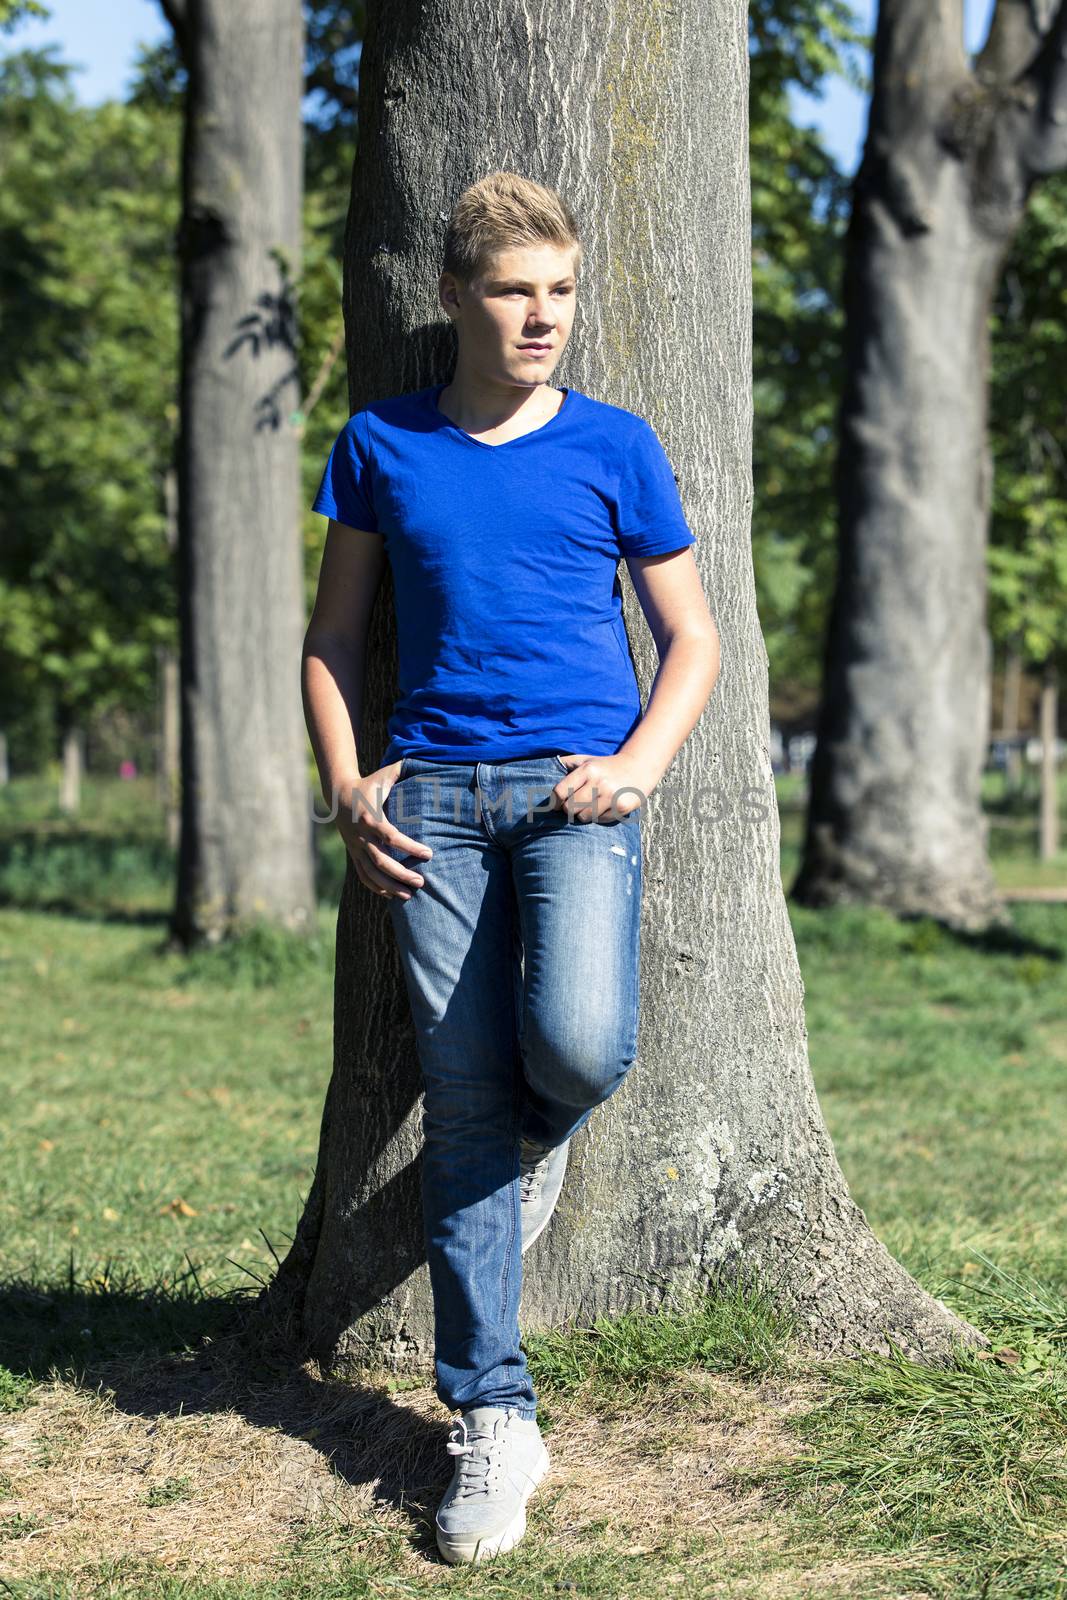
{"x": 523, "y": 297}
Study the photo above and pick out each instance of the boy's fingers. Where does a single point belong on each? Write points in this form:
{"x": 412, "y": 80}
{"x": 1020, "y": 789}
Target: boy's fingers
{"x": 369, "y": 877}
{"x": 381, "y": 832}
{"x": 386, "y": 834}
{"x": 380, "y": 881}
{"x": 382, "y": 863}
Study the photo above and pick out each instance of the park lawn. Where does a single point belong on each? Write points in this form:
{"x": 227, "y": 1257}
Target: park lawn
{"x": 161, "y": 1132}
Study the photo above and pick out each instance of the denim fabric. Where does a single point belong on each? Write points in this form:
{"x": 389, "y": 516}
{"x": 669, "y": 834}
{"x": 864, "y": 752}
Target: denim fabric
{"x": 520, "y": 954}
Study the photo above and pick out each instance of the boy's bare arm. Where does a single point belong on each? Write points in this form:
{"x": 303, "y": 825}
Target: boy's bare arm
{"x": 334, "y": 655}
{"x": 332, "y": 672}
{"x": 671, "y": 595}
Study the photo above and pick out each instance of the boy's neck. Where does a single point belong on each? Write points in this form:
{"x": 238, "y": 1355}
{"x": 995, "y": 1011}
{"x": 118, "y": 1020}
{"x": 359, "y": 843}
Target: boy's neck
{"x": 479, "y": 407}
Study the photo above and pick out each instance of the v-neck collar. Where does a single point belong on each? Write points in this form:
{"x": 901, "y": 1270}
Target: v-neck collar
{"x": 436, "y": 390}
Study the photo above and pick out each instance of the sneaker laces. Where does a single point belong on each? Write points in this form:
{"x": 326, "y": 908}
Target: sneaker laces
{"x": 533, "y": 1169}
{"x": 477, "y": 1466}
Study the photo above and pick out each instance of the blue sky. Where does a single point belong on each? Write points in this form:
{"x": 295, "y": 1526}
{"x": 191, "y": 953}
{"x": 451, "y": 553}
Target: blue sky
{"x": 101, "y": 36}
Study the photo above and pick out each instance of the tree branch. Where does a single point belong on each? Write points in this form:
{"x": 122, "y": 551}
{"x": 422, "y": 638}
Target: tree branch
{"x": 918, "y": 52}
{"x": 1016, "y": 30}
{"x": 177, "y": 14}
{"x": 1043, "y": 147}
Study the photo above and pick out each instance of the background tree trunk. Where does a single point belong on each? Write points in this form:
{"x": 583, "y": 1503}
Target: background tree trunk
{"x": 168, "y": 668}
{"x": 73, "y": 766}
{"x": 245, "y": 847}
{"x": 1049, "y": 831}
{"x": 951, "y": 154}
{"x": 168, "y": 741}
{"x": 1013, "y": 683}
{"x": 713, "y": 1157}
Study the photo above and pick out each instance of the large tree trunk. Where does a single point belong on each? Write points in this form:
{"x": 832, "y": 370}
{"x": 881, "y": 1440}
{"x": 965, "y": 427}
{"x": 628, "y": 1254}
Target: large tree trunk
{"x": 894, "y": 817}
{"x": 245, "y": 835}
{"x": 712, "y": 1159}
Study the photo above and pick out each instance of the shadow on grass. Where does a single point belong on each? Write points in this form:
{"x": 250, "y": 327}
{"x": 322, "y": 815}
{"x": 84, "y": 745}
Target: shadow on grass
{"x": 172, "y": 1350}
{"x": 1037, "y": 931}
{"x": 927, "y": 932}
{"x": 154, "y": 1353}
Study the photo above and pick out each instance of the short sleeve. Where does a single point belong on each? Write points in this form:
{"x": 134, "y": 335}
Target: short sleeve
{"x": 649, "y": 517}
{"x": 346, "y": 492}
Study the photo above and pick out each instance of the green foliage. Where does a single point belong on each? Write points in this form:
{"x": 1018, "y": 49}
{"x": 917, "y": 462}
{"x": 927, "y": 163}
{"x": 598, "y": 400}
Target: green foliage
{"x": 88, "y": 210}
{"x": 801, "y": 42}
{"x": 13, "y": 12}
{"x": 1028, "y": 553}
{"x": 334, "y": 29}
{"x": 799, "y": 212}
{"x": 320, "y": 351}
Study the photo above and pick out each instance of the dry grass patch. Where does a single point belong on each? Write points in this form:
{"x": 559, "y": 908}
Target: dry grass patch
{"x": 208, "y": 1470}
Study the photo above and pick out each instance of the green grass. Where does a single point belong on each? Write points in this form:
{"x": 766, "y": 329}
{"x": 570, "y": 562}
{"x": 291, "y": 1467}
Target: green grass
{"x": 160, "y": 1139}
{"x": 740, "y": 1331}
{"x": 968, "y": 1459}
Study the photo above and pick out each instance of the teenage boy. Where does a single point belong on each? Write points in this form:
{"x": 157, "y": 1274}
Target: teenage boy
{"x": 509, "y": 842}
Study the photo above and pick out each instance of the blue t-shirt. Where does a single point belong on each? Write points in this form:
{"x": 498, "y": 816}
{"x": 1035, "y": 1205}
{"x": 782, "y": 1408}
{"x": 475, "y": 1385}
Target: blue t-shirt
{"x": 510, "y": 635}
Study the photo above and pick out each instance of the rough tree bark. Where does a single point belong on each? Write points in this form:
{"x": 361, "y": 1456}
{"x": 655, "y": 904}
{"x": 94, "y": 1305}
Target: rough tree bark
{"x": 245, "y": 848}
{"x": 952, "y": 153}
{"x": 713, "y": 1158}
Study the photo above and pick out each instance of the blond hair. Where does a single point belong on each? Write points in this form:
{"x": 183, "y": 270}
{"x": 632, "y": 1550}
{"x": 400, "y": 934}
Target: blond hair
{"x": 504, "y": 211}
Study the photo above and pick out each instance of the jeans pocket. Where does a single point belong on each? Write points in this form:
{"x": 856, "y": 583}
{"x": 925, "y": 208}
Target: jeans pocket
{"x": 562, "y": 763}
{"x": 394, "y": 793}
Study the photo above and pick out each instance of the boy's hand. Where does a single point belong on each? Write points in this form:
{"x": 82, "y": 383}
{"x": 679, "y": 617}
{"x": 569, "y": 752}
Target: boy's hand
{"x": 365, "y": 829}
{"x": 609, "y": 775}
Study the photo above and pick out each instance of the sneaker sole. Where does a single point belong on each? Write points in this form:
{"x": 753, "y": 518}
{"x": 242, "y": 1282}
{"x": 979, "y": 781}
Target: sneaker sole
{"x": 480, "y": 1547}
{"x": 538, "y": 1231}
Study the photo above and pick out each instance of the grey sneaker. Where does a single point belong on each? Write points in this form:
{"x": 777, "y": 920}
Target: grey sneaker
{"x": 541, "y": 1169}
{"x": 502, "y": 1459}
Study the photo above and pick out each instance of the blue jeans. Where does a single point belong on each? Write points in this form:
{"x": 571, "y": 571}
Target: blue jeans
{"x": 505, "y": 1051}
